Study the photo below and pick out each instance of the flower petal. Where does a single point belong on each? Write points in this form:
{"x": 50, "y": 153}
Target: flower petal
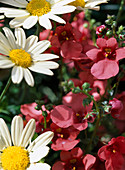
{"x": 63, "y": 9}
{"x": 39, "y": 166}
{"x": 41, "y": 141}
{"x": 30, "y": 22}
{"x": 39, "y": 47}
{"x": 27, "y": 133}
{"x": 10, "y": 37}
{"x": 17, "y": 74}
{"x": 17, "y": 22}
{"x": 5, "y": 62}
{"x": 4, "y": 131}
{"x": 45, "y": 22}
{"x": 21, "y": 37}
{"x": 28, "y": 77}
{"x": 44, "y": 57}
{"x": 4, "y": 41}
{"x": 2, "y": 143}
{"x": 56, "y": 18}
{"x": 30, "y": 41}
{"x": 13, "y": 3}
{"x": 16, "y": 130}
{"x": 38, "y": 154}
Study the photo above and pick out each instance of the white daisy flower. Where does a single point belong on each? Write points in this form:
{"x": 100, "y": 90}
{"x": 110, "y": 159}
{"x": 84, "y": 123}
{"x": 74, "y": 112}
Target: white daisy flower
{"x": 22, "y": 154}
{"x": 1, "y": 16}
{"x": 88, "y": 4}
{"x": 25, "y": 54}
{"x": 36, "y": 10}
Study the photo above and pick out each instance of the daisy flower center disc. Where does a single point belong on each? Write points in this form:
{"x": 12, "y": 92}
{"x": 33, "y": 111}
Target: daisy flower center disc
{"x": 20, "y": 58}
{"x": 80, "y": 3}
{"x": 38, "y": 7}
{"x": 15, "y": 158}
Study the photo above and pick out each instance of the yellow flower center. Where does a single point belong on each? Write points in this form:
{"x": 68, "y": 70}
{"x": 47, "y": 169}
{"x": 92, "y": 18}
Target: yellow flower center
{"x": 80, "y": 3}
{"x": 20, "y": 58}
{"x": 38, "y": 7}
{"x": 15, "y": 158}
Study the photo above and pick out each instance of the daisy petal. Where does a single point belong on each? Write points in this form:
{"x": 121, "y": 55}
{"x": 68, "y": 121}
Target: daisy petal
{"x": 38, "y": 154}
{"x": 2, "y": 143}
{"x": 39, "y": 47}
{"x": 47, "y": 64}
{"x": 30, "y": 22}
{"x": 37, "y": 68}
{"x": 27, "y": 133}
{"x": 44, "y": 57}
{"x": 4, "y": 41}
{"x": 16, "y": 129}
{"x": 45, "y": 22}
{"x": 21, "y": 37}
{"x": 10, "y": 37}
{"x": 28, "y": 77}
{"x": 13, "y": 3}
{"x": 17, "y": 74}
{"x": 3, "y": 49}
{"x": 4, "y": 131}
{"x": 5, "y": 62}
{"x": 30, "y": 41}
{"x": 41, "y": 141}
{"x": 17, "y": 22}
{"x": 56, "y": 18}
{"x": 61, "y": 3}
{"x": 63, "y": 9}
{"x": 39, "y": 166}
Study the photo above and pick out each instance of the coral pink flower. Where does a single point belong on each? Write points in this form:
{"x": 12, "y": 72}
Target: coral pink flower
{"x": 113, "y": 154}
{"x": 64, "y": 138}
{"x": 74, "y": 159}
{"x": 116, "y": 107}
{"x": 66, "y": 38}
{"x": 30, "y": 112}
{"x": 106, "y": 58}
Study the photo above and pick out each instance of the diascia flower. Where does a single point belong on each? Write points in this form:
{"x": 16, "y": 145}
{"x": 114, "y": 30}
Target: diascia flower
{"x": 19, "y": 155}
{"x": 105, "y": 58}
{"x": 36, "y": 10}
{"x": 113, "y": 154}
{"x": 25, "y": 54}
{"x": 88, "y": 4}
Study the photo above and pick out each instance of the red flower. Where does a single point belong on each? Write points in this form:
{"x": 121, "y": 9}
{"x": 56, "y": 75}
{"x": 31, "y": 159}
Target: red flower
{"x": 74, "y": 160}
{"x": 106, "y": 58}
{"x": 66, "y": 38}
{"x": 64, "y": 138}
{"x": 116, "y": 108}
{"x": 113, "y": 154}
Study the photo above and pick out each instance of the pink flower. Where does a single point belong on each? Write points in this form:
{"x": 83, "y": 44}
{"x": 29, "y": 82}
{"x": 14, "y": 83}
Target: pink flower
{"x": 106, "y": 58}
{"x": 74, "y": 159}
{"x": 64, "y": 138}
{"x": 114, "y": 154}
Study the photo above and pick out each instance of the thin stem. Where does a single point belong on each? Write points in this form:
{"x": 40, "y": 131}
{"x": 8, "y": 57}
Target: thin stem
{"x": 45, "y": 124}
{"x": 120, "y": 11}
{"x": 5, "y": 89}
{"x": 38, "y": 30}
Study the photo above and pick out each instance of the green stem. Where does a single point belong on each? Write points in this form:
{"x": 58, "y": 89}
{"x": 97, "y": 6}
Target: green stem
{"x": 120, "y": 11}
{"x": 38, "y": 30}
{"x": 5, "y": 89}
{"x": 45, "y": 124}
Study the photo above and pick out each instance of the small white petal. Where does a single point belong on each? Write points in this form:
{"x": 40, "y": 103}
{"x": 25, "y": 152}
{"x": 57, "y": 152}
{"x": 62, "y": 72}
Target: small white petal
{"x": 39, "y": 47}
{"x": 30, "y": 41}
{"x": 3, "y": 49}
{"x": 38, "y": 154}
{"x": 5, "y": 62}
{"x": 16, "y": 129}
{"x": 27, "y": 133}
{"x": 4, "y": 131}
{"x": 63, "y": 9}
{"x": 56, "y": 18}
{"x": 17, "y": 74}
{"x": 39, "y": 166}
{"x": 13, "y": 3}
{"x": 30, "y": 22}
{"x": 4, "y": 41}
{"x": 37, "y": 68}
{"x": 61, "y": 3}
{"x": 41, "y": 141}
{"x": 45, "y": 22}
{"x": 44, "y": 57}
{"x": 17, "y": 22}
{"x": 28, "y": 77}
{"x": 21, "y": 37}
{"x": 10, "y": 37}
{"x": 47, "y": 64}
{"x": 2, "y": 143}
